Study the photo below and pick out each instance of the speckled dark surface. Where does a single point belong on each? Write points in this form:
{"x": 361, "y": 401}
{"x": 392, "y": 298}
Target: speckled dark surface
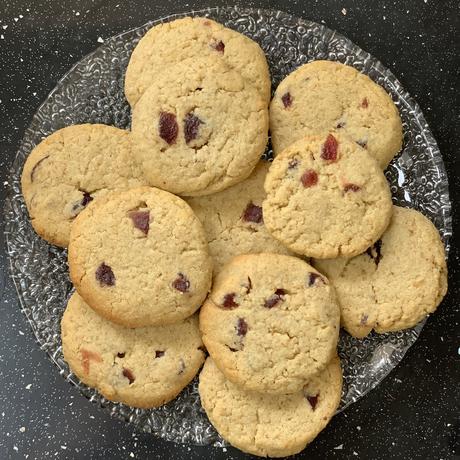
{"x": 413, "y": 414}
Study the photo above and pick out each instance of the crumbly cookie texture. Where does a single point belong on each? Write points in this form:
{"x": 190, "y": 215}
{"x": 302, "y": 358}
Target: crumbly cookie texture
{"x": 69, "y": 169}
{"x": 270, "y": 425}
{"x": 144, "y": 367}
{"x": 270, "y": 323}
{"x": 325, "y": 95}
{"x": 233, "y": 219}
{"x": 326, "y": 197}
{"x": 201, "y": 132}
{"x": 194, "y": 38}
{"x": 140, "y": 258}
{"x": 397, "y": 282}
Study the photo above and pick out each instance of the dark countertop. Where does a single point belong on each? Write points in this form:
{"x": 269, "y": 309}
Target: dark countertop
{"x": 413, "y": 414}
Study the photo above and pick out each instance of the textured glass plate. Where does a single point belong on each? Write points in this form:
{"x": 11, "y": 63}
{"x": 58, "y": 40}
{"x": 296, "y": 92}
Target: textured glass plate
{"x": 92, "y": 91}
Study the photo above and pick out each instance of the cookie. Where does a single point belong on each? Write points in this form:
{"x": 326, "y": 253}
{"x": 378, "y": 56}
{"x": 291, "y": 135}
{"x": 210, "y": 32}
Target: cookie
{"x": 325, "y": 95}
{"x": 199, "y": 129}
{"x": 233, "y": 219}
{"x": 271, "y": 322}
{"x": 270, "y": 425}
{"x": 326, "y": 197}
{"x": 194, "y": 39}
{"x": 144, "y": 367}
{"x": 140, "y": 258}
{"x": 397, "y": 282}
{"x": 70, "y": 168}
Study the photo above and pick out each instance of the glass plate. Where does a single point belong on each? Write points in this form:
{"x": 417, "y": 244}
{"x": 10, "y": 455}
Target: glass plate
{"x": 92, "y": 91}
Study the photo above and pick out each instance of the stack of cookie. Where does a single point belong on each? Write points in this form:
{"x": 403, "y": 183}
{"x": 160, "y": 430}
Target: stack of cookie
{"x": 333, "y": 131}
{"x": 273, "y": 380}
{"x": 143, "y": 260}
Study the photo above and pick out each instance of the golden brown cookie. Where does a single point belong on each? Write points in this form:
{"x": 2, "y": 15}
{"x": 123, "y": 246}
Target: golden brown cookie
{"x": 144, "y": 367}
{"x": 69, "y": 169}
{"x": 233, "y": 219}
{"x": 270, "y": 425}
{"x": 271, "y": 322}
{"x": 326, "y": 95}
{"x": 326, "y": 197}
{"x": 397, "y": 282}
{"x": 140, "y": 258}
{"x": 199, "y": 129}
{"x": 194, "y": 39}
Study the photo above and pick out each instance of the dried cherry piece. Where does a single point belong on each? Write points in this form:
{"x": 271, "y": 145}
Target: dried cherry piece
{"x": 313, "y": 400}
{"x": 309, "y": 178}
{"x": 375, "y": 252}
{"x": 191, "y": 127}
{"x": 241, "y": 327}
{"x": 229, "y": 302}
{"x": 287, "y": 99}
{"x": 329, "y": 149}
{"x": 80, "y": 205}
{"x": 181, "y": 283}
{"x": 253, "y": 213}
{"x": 275, "y": 298}
{"x": 105, "y": 275}
{"x": 168, "y": 128}
{"x": 351, "y": 188}
{"x": 219, "y": 46}
{"x": 365, "y": 103}
{"x": 87, "y": 198}
{"x": 314, "y": 278}
{"x": 141, "y": 220}
{"x": 129, "y": 375}
{"x": 86, "y": 357}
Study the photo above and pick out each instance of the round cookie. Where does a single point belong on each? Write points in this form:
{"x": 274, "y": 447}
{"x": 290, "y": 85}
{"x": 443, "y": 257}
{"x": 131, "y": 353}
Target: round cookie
{"x": 237, "y": 228}
{"x": 326, "y": 95}
{"x": 270, "y": 425}
{"x": 70, "y": 168}
{"x": 397, "y": 282}
{"x": 194, "y": 39}
{"x": 199, "y": 129}
{"x": 144, "y": 367}
{"x": 270, "y": 323}
{"x": 140, "y": 258}
{"x": 326, "y": 197}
